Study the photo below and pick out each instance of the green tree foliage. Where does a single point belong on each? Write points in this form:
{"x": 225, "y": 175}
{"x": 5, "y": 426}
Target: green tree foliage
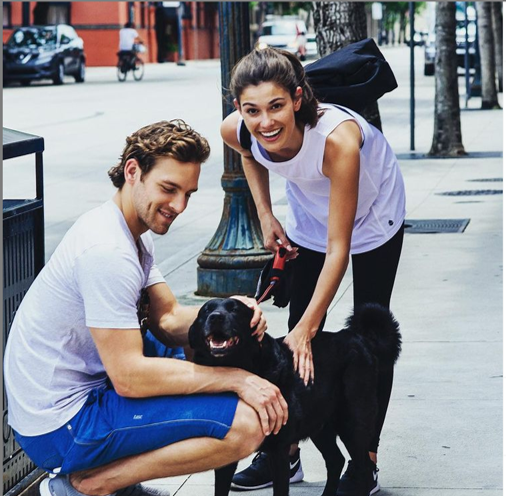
{"x": 399, "y": 12}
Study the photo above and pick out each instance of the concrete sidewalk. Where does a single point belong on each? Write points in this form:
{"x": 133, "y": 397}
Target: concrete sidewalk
{"x": 443, "y": 432}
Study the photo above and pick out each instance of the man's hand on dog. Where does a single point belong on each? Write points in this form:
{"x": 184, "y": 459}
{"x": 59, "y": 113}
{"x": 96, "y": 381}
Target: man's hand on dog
{"x": 258, "y": 319}
{"x": 267, "y": 400}
{"x": 300, "y": 344}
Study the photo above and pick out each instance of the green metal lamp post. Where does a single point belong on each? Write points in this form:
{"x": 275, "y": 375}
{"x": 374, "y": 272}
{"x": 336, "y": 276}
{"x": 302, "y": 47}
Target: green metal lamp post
{"x": 233, "y": 259}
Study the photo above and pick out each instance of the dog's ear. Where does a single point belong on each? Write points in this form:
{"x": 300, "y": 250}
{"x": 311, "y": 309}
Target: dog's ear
{"x": 233, "y": 304}
{"x": 192, "y": 336}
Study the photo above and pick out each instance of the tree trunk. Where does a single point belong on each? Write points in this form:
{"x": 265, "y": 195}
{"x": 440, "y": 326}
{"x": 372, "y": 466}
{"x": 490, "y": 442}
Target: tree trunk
{"x": 486, "y": 44}
{"x": 447, "y": 139}
{"x": 338, "y": 24}
{"x": 497, "y": 28}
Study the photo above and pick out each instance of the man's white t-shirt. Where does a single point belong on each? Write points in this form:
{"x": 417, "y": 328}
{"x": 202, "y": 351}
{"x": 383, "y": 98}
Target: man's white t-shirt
{"x": 127, "y": 38}
{"x": 93, "y": 279}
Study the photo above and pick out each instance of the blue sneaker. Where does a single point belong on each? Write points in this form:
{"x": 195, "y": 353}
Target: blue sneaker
{"x": 61, "y": 486}
{"x": 58, "y": 486}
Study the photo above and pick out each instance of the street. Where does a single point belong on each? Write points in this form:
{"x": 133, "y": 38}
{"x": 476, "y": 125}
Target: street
{"x": 84, "y": 127}
{"x": 442, "y": 435}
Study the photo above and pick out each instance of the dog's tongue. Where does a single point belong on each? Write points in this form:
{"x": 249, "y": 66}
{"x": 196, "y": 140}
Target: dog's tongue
{"x": 219, "y": 344}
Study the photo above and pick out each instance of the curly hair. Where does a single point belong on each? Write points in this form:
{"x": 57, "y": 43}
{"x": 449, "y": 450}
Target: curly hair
{"x": 173, "y": 139}
{"x": 272, "y": 65}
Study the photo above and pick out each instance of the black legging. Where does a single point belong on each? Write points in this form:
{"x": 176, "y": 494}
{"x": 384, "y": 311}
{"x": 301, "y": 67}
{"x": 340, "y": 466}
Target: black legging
{"x": 373, "y": 281}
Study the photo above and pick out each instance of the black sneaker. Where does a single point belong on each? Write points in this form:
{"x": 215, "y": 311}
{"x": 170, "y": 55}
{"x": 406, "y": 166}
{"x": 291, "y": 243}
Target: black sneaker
{"x": 354, "y": 482}
{"x": 258, "y": 474}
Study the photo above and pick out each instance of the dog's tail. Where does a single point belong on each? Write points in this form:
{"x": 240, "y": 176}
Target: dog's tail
{"x": 377, "y": 324}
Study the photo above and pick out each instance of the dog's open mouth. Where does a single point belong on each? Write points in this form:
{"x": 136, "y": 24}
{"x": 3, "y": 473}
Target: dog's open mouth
{"x": 220, "y": 345}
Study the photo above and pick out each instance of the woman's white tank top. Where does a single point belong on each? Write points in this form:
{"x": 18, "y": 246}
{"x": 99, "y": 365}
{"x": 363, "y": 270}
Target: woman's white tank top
{"x": 381, "y": 198}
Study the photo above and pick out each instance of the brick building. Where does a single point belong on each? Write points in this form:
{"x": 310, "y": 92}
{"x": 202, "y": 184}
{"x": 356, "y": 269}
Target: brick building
{"x": 162, "y": 25}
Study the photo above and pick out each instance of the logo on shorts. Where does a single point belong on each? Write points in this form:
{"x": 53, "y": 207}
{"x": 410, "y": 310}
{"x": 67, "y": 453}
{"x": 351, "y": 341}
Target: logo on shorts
{"x": 137, "y": 417}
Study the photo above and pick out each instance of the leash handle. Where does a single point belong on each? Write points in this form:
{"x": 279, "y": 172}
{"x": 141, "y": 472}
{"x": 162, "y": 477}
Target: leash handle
{"x": 280, "y": 258}
{"x": 278, "y": 266}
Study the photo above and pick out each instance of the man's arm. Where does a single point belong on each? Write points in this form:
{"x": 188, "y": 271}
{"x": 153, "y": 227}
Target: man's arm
{"x": 138, "y": 39}
{"x": 135, "y": 376}
{"x": 168, "y": 320}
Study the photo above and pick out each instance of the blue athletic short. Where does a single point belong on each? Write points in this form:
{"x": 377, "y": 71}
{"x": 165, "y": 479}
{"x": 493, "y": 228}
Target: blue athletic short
{"x": 109, "y": 427}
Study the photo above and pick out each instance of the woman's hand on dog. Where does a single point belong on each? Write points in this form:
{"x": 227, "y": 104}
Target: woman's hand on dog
{"x": 258, "y": 319}
{"x": 300, "y": 344}
{"x": 267, "y": 400}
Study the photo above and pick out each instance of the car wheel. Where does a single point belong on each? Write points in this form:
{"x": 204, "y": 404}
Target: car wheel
{"x": 81, "y": 71}
{"x": 59, "y": 74}
{"x": 428, "y": 70}
{"x": 25, "y": 82}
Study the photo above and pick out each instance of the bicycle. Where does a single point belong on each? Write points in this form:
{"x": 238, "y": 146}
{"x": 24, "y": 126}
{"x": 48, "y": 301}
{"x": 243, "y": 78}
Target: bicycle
{"x": 129, "y": 61}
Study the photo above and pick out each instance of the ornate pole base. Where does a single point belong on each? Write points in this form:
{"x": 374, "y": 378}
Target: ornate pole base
{"x": 227, "y": 282}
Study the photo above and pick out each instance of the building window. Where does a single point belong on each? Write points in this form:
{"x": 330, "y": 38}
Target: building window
{"x": 7, "y": 22}
{"x": 143, "y": 14}
{"x": 58, "y": 13}
{"x": 51, "y": 13}
{"x": 131, "y": 12}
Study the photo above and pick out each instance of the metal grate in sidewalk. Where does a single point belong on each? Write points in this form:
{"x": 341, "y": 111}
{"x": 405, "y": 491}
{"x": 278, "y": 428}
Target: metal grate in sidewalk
{"x": 486, "y": 180}
{"x": 472, "y": 192}
{"x": 435, "y": 226}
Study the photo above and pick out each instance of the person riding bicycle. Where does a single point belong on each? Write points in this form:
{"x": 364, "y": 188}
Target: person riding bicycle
{"x": 129, "y": 39}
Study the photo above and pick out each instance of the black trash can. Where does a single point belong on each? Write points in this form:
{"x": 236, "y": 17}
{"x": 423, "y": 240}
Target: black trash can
{"x": 23, "y": 258}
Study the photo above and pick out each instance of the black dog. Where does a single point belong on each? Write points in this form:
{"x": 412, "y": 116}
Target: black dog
{"x": 341, "y": 401}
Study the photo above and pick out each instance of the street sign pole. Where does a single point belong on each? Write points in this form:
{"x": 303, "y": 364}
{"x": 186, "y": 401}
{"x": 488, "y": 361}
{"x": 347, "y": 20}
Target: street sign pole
{"x": 466, "y": 56}
{"x": 412, "y": 73}
{"x": 180, "y": 48}
{"x": 233, "y": 259}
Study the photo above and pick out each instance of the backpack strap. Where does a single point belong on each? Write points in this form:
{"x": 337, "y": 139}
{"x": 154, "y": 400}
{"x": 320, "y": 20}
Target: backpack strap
{"x": 244, "y": 137}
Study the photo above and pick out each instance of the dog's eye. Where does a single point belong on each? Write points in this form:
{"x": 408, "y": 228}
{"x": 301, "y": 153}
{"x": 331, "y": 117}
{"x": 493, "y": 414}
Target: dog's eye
{"x": 230, "y": 305}
{"x": 212, "y": 305}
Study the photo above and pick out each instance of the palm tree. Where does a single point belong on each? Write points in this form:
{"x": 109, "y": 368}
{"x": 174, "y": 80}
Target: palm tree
{"x": 447, "y": 138}
{"x": 338, "y": 24}
{"x": 487, "y": 56}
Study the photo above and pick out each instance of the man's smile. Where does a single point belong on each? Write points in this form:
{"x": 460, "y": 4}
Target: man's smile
{"x": 168, "y": 215}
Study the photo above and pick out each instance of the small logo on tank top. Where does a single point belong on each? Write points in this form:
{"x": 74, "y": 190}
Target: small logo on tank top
{"x": 137, "y": 417}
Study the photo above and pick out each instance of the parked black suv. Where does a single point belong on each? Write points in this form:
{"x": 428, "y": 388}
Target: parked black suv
{"x": 44, "y": 52}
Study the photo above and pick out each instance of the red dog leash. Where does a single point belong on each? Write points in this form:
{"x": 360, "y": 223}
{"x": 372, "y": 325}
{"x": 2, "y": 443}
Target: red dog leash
{"x": 276, "y": 272}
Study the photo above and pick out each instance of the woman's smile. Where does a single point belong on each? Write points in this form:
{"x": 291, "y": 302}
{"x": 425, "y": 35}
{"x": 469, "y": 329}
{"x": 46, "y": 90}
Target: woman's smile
{"x": 271, "y": 135}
